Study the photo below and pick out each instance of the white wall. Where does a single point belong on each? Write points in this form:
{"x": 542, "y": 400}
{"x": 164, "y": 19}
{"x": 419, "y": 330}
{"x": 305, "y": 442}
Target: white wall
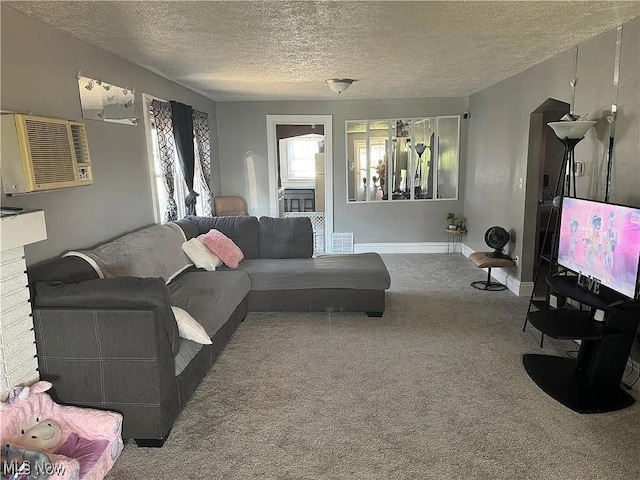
{"x": 242, "y": 133}
{"x": 39, "y": 67}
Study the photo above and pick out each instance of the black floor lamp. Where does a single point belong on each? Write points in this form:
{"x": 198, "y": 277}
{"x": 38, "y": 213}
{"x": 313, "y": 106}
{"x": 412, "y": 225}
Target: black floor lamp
{"x": 570, "y": 133}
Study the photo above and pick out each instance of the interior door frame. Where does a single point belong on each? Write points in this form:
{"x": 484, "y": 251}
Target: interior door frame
{"x": 326, "y": 121}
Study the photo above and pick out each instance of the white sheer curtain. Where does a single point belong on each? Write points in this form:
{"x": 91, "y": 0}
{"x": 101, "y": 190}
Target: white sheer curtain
{"x": 172, "y": 188}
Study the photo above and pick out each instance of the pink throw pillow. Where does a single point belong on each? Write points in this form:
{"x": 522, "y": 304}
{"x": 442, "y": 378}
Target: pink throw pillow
{"x": 223, "y": 247}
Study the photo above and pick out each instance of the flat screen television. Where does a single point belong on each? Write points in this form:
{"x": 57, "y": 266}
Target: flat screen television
{"x": 601, "y": 240}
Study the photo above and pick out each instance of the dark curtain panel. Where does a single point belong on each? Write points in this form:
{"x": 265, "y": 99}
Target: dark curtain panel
{"x": 164, "y": 134}
{"x": 182, "y": 118}
{"x": 203, "y": 144}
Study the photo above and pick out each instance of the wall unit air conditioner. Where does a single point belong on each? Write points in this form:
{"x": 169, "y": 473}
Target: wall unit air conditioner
{"x": 41, "y": 154}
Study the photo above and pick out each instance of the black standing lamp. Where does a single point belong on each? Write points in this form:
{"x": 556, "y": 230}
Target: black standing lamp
{"x": 570, "y": 133}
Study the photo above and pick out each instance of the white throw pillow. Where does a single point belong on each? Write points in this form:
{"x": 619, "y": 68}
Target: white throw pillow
{"x": 189, "y": 328}
{"x": 200, "y": 255}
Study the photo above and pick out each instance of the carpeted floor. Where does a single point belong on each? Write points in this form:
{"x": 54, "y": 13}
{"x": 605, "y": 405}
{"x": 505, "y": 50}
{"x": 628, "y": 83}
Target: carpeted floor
{"x": 435, "y": 389}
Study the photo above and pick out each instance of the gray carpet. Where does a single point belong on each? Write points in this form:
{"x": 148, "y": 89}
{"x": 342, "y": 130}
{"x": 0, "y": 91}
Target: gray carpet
{"x": 433, "y": 390}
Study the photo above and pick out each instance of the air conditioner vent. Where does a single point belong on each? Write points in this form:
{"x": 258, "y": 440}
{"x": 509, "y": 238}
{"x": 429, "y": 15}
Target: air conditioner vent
{"x": 49, "y": 147}
{"x": 80, "y": 143}
{"x": 43, "y": 154}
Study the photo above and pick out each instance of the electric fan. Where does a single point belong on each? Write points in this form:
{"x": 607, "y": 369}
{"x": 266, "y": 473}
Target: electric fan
{"x": 496, "y": 238}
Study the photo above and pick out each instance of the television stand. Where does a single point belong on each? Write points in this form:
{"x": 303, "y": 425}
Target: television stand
{"x": 589, "y": 383}
{"x": 559, "y": 378}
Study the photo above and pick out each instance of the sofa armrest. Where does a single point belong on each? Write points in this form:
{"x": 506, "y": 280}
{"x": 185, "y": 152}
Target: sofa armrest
{"x": 111, "y": 359}
{"x": 105, "y": 345}
{"x": 116, "y": 293}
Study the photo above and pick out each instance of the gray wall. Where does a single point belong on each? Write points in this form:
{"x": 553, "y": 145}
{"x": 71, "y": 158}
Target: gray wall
{"x": 39, "y": 66}
{"x": 499, "y": 132}
{"x": 242, "y": 132}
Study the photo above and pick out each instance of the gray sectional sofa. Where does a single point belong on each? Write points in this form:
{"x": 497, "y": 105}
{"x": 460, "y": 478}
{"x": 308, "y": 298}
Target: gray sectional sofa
{"x": 106, "y": 334}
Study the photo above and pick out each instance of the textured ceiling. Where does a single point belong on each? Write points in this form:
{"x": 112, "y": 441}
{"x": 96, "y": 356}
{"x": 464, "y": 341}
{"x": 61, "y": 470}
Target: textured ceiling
{"x": 283, "y": 50}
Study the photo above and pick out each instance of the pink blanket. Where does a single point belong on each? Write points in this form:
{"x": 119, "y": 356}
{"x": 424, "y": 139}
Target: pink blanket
{"x": 90, "y": 442}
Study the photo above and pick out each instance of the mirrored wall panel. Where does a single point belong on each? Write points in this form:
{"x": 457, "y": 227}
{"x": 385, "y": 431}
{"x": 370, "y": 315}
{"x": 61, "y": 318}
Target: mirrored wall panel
{"x": 400, "y": 156}
{"x": 403, "y": 159}
{"x": 448, "y": 156}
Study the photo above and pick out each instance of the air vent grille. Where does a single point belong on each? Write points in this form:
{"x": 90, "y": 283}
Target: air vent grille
{"x": 50, "y": 152}
{"x": 342, "y": 242}
{"x": 80, "y": 143}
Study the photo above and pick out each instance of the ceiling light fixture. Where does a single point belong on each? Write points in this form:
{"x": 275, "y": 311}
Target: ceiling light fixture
{"x": 339, "y": 85}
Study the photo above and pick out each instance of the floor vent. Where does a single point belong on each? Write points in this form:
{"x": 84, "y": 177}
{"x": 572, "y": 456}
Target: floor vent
{"x": 342, "y": 242}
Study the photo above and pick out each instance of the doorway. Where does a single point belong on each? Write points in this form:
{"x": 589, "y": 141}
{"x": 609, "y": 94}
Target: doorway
{"x": 300, "y": 168}
{"x": 300, "y": 171}
{"x": 544, "y": 165}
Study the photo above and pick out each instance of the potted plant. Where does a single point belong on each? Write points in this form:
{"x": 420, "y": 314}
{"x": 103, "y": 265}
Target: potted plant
{"x": 455, "y": 222}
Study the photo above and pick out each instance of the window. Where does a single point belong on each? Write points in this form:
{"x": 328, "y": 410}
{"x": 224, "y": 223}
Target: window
{"x": 403, "y": 159}
{"x": 164, "y": 177}
{"x": 301, "y": 156}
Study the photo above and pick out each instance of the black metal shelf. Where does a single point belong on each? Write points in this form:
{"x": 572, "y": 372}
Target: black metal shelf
{"x": 569, "y": 324}
{"x": 566, "y": 285}
{"x": 540, "y": 304}
{"x": 557, "y": 377}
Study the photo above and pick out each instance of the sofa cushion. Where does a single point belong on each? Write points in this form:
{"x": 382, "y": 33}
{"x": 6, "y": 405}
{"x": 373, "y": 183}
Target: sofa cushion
{"x": 189, "y": 226}
{"x": 362, "y": 271}
{"x": 285, "y": 237}
{"x": 148, "y": 253}
{"x": 242, "y": 230}
{"x": 209, "y": 297}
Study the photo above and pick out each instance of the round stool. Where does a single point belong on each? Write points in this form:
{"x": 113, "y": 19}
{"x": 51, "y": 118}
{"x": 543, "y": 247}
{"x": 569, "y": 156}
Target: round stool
{"x": 484, "y": 260}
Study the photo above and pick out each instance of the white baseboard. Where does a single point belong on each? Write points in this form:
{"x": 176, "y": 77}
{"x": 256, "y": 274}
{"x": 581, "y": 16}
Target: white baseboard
{"x": 466, "y": 251}
{"x": 505, "y": 276}
{"x": 403, "y": 247}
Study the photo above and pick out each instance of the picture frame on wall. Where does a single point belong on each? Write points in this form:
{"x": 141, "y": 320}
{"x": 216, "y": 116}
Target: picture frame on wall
{"x": 402, "y": 128}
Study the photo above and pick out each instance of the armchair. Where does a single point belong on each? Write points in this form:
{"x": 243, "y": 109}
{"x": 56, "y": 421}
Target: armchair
{"x": 230, "y": 206}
